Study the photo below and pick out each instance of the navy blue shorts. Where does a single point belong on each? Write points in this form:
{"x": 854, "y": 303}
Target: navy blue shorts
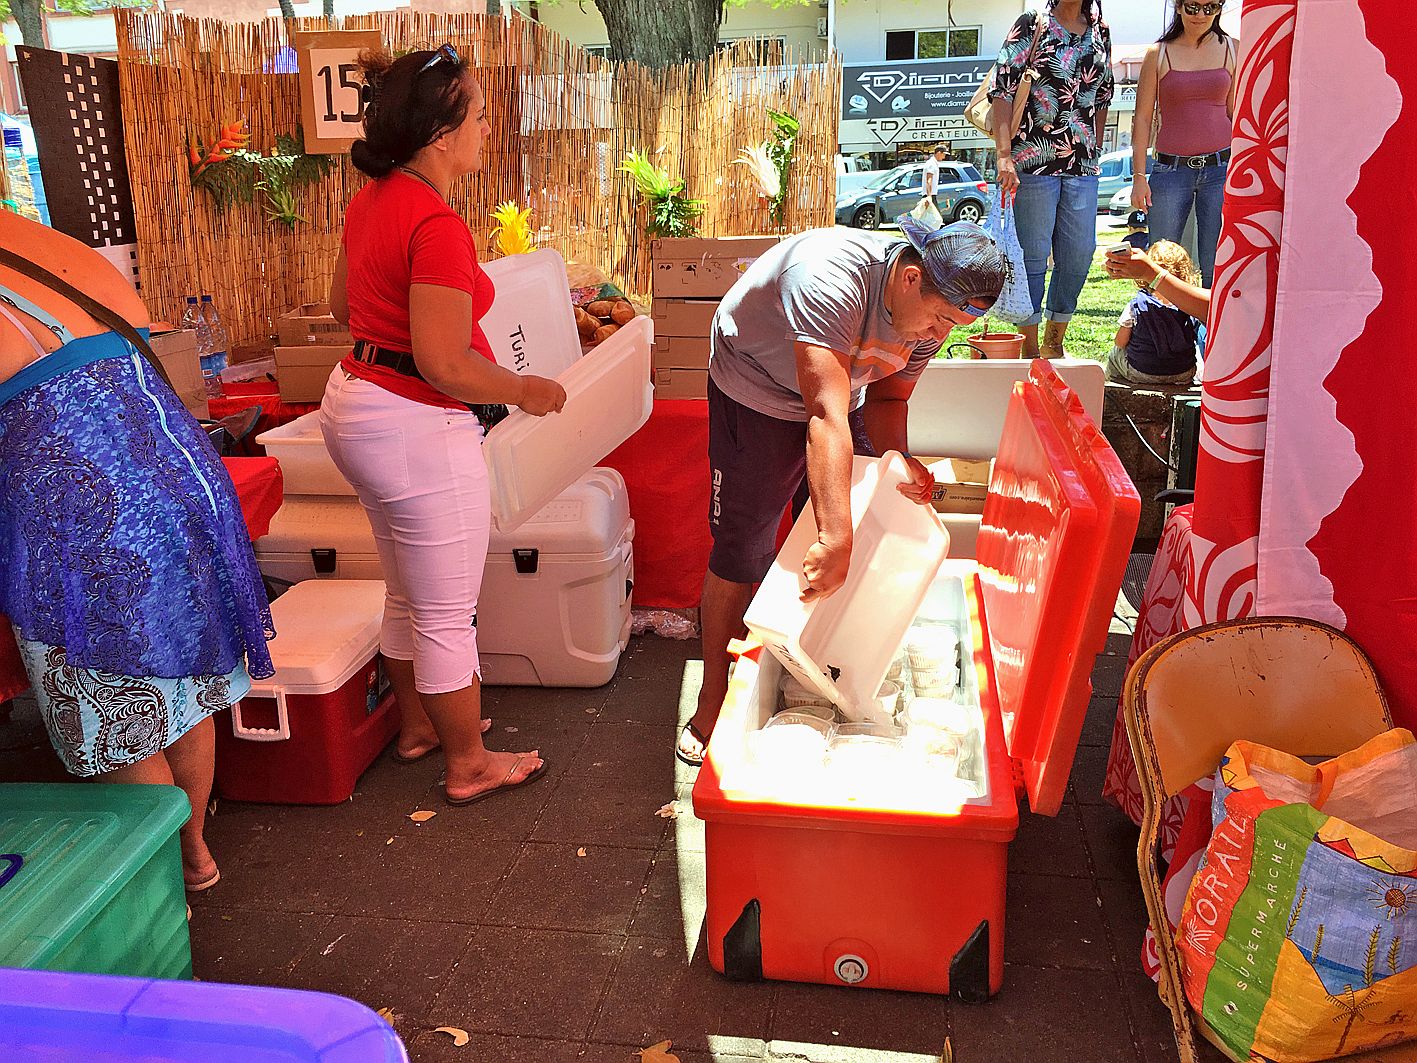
{"x": 756, "y": 464}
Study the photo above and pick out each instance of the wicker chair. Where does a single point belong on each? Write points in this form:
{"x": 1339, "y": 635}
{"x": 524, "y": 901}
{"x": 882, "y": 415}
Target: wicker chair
{"x": 1292, "y": 684}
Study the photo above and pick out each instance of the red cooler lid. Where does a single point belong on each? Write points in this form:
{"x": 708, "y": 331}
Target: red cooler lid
{"x": 1053, "y": 546}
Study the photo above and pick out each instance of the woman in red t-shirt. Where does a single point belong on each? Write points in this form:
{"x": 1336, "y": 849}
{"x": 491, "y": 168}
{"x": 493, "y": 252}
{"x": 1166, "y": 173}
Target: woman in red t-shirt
{"x": 396, "y": 414}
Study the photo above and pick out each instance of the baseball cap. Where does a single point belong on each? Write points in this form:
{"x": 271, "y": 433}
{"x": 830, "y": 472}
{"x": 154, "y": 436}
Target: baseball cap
{"x": 1136, "y": 219}
{"x": 961, "y": 261}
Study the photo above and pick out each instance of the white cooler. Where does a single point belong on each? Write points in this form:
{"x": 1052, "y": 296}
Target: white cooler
{"x": 555, "y": 603}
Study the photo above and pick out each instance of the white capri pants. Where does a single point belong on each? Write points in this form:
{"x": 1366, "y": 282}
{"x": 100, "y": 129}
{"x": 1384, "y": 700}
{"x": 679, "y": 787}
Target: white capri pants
{"x": 419, "y": 472}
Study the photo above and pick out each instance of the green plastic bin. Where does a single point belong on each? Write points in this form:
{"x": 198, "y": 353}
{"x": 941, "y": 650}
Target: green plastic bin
{"x": 91, "y": 879}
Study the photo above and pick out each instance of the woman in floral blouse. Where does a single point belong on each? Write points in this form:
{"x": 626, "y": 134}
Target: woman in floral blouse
{"x": 1049, "y": 168}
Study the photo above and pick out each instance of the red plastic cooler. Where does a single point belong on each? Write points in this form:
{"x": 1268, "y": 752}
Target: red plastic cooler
{"x": 304, "y": 736}
{"x": 818, "y": 880}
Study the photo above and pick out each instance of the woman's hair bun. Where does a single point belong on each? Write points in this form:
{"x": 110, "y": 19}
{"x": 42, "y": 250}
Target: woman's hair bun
{"x": 370, "y": 160}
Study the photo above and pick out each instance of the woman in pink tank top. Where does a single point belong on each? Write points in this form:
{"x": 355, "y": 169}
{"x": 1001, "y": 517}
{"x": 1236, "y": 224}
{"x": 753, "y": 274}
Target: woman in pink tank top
{"x": 1188, "y": 81}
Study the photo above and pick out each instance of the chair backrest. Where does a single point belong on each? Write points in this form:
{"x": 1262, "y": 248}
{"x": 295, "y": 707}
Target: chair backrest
{"x": 1292, "y": 684}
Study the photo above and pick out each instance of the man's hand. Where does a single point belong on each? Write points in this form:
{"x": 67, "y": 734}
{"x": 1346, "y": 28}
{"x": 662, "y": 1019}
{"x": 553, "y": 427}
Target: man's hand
{"x": 922, "y": 482}
{"x": 824, "y": 568}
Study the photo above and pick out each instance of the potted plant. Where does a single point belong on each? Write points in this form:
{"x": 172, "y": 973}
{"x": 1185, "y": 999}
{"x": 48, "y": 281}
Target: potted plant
{"x": 1000, "y": 341}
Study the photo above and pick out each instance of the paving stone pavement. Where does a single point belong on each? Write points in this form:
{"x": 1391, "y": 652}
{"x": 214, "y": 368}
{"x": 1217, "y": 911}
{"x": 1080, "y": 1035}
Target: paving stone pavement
{"x": 488, "y": 919}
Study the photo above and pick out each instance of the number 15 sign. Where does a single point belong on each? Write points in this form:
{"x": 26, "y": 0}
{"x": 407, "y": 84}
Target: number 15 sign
{"x": 330, "y": 101}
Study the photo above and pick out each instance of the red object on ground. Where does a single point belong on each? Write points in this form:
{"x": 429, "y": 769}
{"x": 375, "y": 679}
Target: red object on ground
{"x": 666, "y": 470}
{"x": 262, "y": 393}
{"x": 895, "y": 890}
{"x": 304, "y": 735}
{"x": 332, "y": 739}
{"x": 259, "y": 490}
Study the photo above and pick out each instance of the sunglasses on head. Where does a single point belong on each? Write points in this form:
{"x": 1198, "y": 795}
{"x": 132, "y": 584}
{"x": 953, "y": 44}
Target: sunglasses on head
{"x": 445, "y": 54}
{"x": 1201, "y": 9}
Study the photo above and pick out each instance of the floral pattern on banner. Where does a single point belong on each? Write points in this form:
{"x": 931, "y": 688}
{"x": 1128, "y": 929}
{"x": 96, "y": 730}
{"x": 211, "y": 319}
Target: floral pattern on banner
{"x": 1206, "y": 567}
{"x": 1058, "y": 133}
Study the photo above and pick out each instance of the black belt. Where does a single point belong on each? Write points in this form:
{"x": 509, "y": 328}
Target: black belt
{"x": 399, "y": 361}
{"x": 1195, "y": 162}
{"x": 489, "y": 413}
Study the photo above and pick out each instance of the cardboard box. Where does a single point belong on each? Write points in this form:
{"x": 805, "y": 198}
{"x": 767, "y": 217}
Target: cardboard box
{"x": 680, "y": 384}
{"x": 302, "y": 372}
{"x": 684, "y": 317}
{"x": 961, "y": 484}
{"x": 682, "y": 352}
{"x": 703, "y": 266}
{"x": 177, "y": 351}
{"x": 311, "y": 324}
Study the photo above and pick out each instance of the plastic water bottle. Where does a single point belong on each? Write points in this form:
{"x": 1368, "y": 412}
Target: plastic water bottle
{"x": 214, "y": 358}
{"x": 191, "y": 317}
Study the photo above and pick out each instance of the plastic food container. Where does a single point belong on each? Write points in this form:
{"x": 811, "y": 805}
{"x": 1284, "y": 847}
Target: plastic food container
{"x": 531, "y": 325}
{"x": 531, "y": 460}
{"x": 842, "y": 646}
{"x": 92, "y": 880}
{"x": 305, "y": 462}
{"x": 46, "y": 1017}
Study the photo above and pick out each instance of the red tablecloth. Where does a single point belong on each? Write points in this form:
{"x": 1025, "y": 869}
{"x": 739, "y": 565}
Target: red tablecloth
{"x": 262, "y": 393}
{"x": 258, "y": 485}
{"x": 665, "y": 466}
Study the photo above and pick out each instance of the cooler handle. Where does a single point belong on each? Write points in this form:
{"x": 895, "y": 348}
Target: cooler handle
{"x": 15, "y": 861}
{"x": 279, "y": 733}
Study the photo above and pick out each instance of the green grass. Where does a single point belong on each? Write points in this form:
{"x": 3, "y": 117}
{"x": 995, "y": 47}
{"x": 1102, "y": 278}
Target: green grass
{"x": 1094, "y": 325}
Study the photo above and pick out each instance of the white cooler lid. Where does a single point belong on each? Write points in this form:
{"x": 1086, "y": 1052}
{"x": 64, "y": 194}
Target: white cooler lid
{"x": 531, "y": 324}
{"x": 843, "y": 645}
{"x": 531, "y": 460}
{"x": 588, "y": 519}
{"x": 326, "y": 630}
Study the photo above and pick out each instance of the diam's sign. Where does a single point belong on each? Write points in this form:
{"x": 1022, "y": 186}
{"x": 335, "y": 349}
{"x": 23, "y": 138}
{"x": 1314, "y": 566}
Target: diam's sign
{"x": 914, "y": 88}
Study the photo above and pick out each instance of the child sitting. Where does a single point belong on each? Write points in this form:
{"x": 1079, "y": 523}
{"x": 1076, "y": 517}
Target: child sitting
{"x": 1156, "y": 343}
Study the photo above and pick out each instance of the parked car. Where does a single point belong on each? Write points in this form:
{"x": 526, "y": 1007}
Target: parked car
{"x": 963, "y": 195}
{"x": 1120, "y": 205}
{"x": 853, "y": 172}
{"x": 1115, "y": 171}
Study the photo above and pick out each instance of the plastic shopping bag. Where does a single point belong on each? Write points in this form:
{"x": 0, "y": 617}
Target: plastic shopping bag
{"x": 1297, "y": 938}
{"x": 927, "y": 214}
{"x": 1014, "y": 303}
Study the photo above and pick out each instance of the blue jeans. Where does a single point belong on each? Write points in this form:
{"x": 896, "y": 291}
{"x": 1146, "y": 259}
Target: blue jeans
{"x": 1175, "y": 190}
{"x": 1056, "y": 216}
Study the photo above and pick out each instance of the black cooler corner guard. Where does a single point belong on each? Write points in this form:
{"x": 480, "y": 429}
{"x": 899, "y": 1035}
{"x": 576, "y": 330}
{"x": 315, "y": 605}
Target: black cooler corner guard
{"x": 743, "y": 947}
{"x": 969, "y": 970}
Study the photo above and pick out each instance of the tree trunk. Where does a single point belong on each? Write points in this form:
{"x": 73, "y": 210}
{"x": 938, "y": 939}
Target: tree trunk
{"x": 29, "y": 16}
{"x": 494, "y": 7}
{"x": 329, "y": 10}
{"x": 659, "y": 33}
{"x": 287, "y": 8}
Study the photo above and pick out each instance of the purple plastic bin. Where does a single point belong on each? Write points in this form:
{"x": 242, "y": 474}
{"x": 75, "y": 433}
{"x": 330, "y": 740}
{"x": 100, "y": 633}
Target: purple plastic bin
{"x": 48, "y": 1015}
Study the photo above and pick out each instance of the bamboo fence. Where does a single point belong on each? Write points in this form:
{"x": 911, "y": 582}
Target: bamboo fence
{"x": 562, "y": 120}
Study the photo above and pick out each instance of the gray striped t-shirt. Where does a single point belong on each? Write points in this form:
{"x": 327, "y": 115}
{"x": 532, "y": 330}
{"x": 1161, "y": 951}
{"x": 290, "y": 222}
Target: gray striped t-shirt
{"x": 824, "y": 287}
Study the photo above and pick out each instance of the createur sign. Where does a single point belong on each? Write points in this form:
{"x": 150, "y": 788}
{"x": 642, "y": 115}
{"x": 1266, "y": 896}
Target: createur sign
{"x": 331, "y": 103}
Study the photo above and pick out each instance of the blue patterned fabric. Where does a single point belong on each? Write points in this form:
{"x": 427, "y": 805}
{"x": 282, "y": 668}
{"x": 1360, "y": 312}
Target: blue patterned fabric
{"x": 121, "y": 538}
{"x": 98, "y": 721}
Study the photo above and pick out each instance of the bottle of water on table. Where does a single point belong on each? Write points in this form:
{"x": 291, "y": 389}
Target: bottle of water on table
{"x": 214, "y": 357}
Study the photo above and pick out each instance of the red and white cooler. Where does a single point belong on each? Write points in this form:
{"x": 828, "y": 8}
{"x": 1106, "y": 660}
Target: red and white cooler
{"x": 305, "y": 735}
{"x": 878, "y": 857}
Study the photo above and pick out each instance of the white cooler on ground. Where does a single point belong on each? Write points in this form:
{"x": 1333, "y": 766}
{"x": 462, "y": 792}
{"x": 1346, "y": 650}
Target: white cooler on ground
{"x": 555, "y": 603}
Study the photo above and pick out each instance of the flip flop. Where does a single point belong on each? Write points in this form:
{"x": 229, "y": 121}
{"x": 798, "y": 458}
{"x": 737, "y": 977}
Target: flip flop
{"x": 404, "y": 758}
{"x": 698, "y": 737}
{"x": 502, "y": 787}
{"x": 205, "y": 884}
